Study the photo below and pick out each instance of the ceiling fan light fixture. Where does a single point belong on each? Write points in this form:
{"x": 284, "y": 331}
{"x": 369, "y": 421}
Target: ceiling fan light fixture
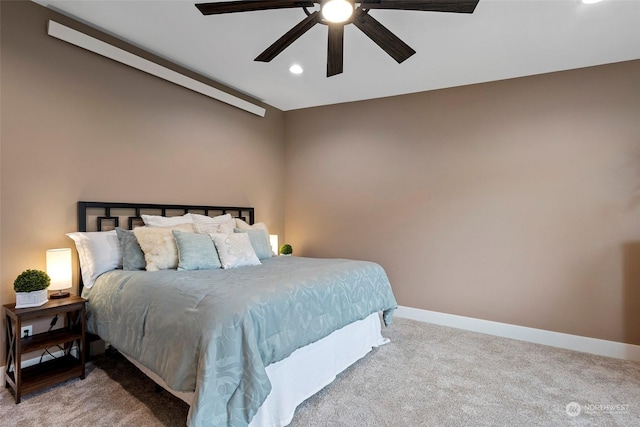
{"x": 337, "y": 11}
{"x": 336, "y": 15}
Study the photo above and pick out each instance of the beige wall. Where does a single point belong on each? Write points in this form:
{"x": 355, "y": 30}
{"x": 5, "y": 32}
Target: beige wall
{"x": 516, "y": 201}
{"x": 76, "y": 126}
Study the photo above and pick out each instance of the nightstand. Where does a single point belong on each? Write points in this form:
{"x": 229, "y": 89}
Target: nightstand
{"x": 63, "y": 367}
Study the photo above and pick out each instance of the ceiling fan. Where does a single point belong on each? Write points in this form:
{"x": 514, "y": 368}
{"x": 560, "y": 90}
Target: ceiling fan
{"x": 336, "y": 14}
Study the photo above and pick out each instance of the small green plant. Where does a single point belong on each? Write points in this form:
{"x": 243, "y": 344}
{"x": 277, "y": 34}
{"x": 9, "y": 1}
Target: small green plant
{"x": 286, "y": 249}
{"x": 31, "y": 281}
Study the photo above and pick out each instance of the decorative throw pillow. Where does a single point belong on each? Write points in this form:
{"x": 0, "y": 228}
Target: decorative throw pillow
{"x": 132, "y": 255}
{"x": 235, "y": 250}
{"x": 217, "y": 224}
{"x": 159, "y": 246}
{"x": 98, "y": 252}
{"x": 259, "y": 242}
{"x": 166, "y": 221}
{"x": 196, "y": 251}
{"x": 243, "y": 225}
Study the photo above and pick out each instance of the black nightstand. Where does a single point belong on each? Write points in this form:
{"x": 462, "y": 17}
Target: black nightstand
{"x": 27, "y": 380}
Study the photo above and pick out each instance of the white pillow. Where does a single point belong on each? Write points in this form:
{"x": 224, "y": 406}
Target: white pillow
{"x": 234, "y": 250}
{"x": 242, "y": 225}
{"x": 98, "y": 251}
{"x": 159, "y": 245}
{"x": 166, "y": 221}
{"x": 217, "y": 224}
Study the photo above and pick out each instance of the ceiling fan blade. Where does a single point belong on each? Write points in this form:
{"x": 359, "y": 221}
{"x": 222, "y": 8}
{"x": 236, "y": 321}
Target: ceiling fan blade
{"x": 292, "y": 35}
{"x": 249, "y": 6}
{"x": 457, "y": 6}
{"x": 384, "y": 38}
{"x": 334, "y": 49}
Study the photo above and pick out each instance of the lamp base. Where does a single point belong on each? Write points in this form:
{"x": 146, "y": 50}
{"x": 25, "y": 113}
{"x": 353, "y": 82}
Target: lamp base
{"x": 59, "y": 294}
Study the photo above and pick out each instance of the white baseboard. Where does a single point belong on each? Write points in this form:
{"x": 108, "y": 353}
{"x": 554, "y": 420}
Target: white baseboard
{"x": 539, "y": 336}
{"x": 523, "y": 333}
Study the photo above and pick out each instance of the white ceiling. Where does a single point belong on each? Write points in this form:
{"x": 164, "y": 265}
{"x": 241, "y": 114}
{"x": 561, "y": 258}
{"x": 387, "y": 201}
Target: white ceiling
{"x": 502, "y": 39}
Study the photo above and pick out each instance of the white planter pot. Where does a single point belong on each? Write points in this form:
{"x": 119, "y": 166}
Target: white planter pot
{"x": 31, "y": 299}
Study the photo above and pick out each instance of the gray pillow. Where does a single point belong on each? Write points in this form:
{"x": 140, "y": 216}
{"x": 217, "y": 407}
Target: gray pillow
{"x": 196, "y": 251}
{"x": 259, "y": 241}
{"x": 132, "y": 255}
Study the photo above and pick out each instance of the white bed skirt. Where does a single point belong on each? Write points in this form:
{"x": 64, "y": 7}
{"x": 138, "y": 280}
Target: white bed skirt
{"x": 305, "y": 372}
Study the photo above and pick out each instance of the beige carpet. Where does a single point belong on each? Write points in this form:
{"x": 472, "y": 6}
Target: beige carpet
{"x": 427, "y": 376}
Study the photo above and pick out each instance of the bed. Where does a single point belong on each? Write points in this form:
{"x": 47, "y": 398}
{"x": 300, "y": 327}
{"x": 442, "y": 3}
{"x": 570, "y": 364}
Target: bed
{"x": 242, "y": 343}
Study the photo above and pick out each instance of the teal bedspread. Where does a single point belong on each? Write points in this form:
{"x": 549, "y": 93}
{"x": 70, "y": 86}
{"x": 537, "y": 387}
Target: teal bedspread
{"x": 215, "y": 331}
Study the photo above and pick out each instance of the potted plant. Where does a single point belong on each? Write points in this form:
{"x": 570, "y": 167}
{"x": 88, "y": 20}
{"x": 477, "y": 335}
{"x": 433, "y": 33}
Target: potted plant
{"x": 286, "y": 250}
{"x": 31, "y": 288}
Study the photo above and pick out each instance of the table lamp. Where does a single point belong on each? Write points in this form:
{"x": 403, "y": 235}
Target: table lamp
{"x": 273, "y": 241}
{"x": 59, "y": 270}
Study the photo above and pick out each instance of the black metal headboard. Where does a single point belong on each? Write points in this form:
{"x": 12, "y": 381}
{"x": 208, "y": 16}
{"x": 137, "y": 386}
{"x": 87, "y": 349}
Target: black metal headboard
{"x": 104, "y": 216}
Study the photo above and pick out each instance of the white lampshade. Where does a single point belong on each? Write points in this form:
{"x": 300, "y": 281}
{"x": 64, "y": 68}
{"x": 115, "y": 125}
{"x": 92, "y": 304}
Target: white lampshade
{"x": 59, "y": 268}
{"x": 337, "y": 11}
{"x": 273, "y": 241}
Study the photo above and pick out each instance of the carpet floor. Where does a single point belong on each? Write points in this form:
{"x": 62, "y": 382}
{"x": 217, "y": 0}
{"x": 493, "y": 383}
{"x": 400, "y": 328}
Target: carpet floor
{"x": 428, "y": 375}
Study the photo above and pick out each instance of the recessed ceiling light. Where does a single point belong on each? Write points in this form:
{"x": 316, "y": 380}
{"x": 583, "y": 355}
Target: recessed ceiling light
{"x": 590, "y": 1}
{"x": 296, "y": 69}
